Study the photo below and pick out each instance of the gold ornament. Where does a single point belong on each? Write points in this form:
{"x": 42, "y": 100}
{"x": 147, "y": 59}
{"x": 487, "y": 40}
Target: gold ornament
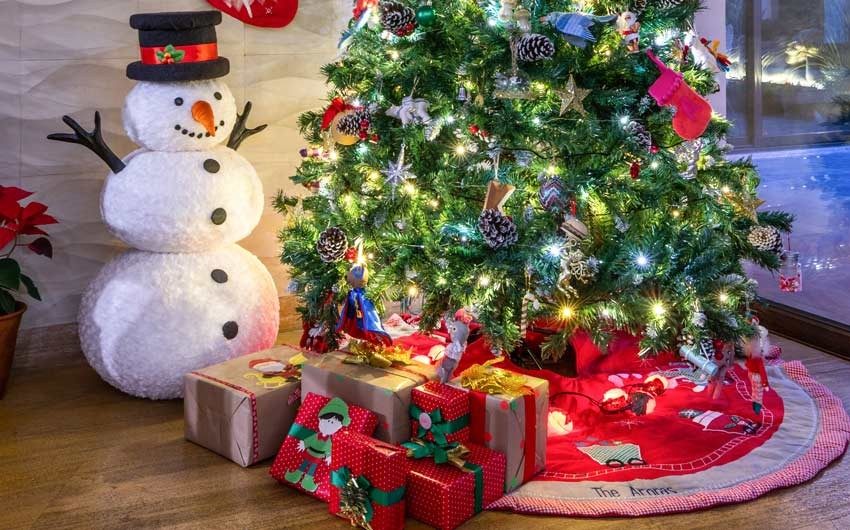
{"x": 572, "y": 97}
{"x": 338, "y": 136}
{"x": 745, "y": 206}
{"x": 379, "y": 356}
{"x": 485, "y": 378}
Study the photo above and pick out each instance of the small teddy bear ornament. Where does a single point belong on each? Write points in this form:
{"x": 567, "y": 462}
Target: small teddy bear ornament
{"x": 458, "y": 328}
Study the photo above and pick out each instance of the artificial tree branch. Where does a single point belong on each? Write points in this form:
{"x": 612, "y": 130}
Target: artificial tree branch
{"x": 240, "y": 133}
{"x": 91, "y": 140}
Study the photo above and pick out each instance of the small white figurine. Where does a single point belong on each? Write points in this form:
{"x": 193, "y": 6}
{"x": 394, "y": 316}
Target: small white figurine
{"x": 506, "y": 12}
{"x": 459, "y": 333}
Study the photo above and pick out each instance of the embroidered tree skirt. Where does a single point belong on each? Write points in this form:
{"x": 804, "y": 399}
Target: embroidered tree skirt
{"x": 691, "y": 452}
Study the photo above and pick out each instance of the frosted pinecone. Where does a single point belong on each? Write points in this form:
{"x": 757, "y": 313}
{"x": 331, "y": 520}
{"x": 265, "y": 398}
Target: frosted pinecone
{"x": 667, "y": 4}
{"x": 498, "y": 230}
{"x": 765, "y": 239}
{"x": 640, "y": 135}
{"x": 397, "y": 18}
{"x": 353, "y": 122}
{"x": 534, "y": 47}
{"x": 332, "y": 244}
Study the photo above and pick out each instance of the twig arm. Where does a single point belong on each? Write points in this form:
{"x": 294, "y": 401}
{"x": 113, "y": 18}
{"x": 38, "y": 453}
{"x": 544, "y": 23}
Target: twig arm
{"x": 90, "y": 140}
{"x": 240, "y": 133}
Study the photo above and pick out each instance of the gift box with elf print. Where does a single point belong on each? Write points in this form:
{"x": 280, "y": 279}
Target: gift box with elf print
{"x": 304, "y": 458}
{"x": 368, "y": 481}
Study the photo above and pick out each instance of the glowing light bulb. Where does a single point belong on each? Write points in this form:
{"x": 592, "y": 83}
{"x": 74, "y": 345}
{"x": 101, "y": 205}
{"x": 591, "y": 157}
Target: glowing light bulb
{"x": 535, "y": 120}
{"x": 553, "y": 250}
{"x": 675, "y": 213}
{"x": 538, "y": 86}
{"x": 333, "y": 155}
{"x": 394, "y": 55}
{"x": 624, "y": 120}
{"x": 370, "y": 255}
{"x": 658, "y": 309}
{"x": 441, "y": 281}
{"x": 605, "y": 313}
{"x": 356, "y": 102}
{"x": 492, "y": 22}
{"x": 725, "y": 189}
{"x": 484, "y": 280}
{"x": 409, "y": 188}
{"x": 723, "y": 297}
{"x": 566, "y": 312}
{"x": 551, "y": 169}
{"x": 641, "y": 260}
{"x": 449, "y": 119}
{"x": 654, "y": 164}
{"x": 460, "y": 149}
{"x": 434, "y": 203}
{"x": 362, "y": 149}
{"x": 412, "y": 291}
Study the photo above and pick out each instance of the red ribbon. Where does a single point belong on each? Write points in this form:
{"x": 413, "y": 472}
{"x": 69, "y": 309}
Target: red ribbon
{"x": 478, "y": 427}
{"x": 337, "y": 105}
{"x": 362, "y": 5}
{"x": 193, "y": 53}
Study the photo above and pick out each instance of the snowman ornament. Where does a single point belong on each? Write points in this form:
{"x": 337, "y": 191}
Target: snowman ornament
{"x": 186, "y": 295}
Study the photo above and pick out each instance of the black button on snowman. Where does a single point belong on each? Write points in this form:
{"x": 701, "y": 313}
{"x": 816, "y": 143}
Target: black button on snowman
{"x": 182, "y": 201}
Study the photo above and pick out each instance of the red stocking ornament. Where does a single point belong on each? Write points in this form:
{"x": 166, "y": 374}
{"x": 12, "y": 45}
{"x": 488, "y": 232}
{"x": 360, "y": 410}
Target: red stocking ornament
{"x": 693, "y": 112}
{"x": 263, "y": 13}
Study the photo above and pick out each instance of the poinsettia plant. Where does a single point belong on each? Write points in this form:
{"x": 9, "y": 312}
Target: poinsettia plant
{"x": 19, "y": 226}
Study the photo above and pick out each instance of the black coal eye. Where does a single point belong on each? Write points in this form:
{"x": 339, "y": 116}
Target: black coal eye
{"x": 178, "y": 101}
{"x": 217, "y": 95}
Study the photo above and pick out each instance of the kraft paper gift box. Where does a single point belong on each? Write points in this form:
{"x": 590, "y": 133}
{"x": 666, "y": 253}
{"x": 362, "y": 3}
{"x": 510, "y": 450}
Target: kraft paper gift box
{"x": 368, "y": 481}
{"x": 445, "y": 496}
{"x": 243, "y": 408}
{"x": 509, "y": 418}
{"x": 385, "y": 391}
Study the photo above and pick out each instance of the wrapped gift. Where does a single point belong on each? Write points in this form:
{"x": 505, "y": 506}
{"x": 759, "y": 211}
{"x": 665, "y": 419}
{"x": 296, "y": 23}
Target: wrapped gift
{"x": 306, "y": 452}
{"x": 368, "y": 481}
{"x": 508, "y": 412}
{"x": 243, "y": 408}
{"x": 446, "y": 495}
{"x": 439, "y": 413}
{"x": 384, "y": 389}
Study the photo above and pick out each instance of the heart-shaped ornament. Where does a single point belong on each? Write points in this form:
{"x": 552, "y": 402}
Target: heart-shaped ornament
{"x": 263, "y": 13}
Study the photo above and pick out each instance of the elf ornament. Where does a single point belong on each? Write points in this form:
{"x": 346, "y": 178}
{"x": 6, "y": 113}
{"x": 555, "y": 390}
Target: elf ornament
{"x": 628, "y": 27}
{"x": 187, "y": 296}
{"x": 693, "y": 112}
{"x": 358, "y": 316}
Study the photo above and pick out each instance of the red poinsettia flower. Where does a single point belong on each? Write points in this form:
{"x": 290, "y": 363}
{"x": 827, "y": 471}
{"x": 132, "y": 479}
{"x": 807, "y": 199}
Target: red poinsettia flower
{"x": 10, "y": 196}
{"x": 25, "y": 221}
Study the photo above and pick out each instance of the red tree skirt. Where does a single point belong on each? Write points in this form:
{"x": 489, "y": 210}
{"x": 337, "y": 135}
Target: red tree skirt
{"x": 673, "y": 463}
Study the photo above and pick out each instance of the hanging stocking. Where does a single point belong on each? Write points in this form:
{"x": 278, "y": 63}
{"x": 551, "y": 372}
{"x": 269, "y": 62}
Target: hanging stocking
{"x": 693, "y": 112}
{"x": 263, "y": 13}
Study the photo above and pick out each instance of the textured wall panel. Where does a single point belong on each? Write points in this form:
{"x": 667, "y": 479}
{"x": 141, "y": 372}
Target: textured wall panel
{"x": 68, "y": 57}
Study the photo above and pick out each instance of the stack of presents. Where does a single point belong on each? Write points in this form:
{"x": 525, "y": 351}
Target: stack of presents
{"x": 372, "y": 432}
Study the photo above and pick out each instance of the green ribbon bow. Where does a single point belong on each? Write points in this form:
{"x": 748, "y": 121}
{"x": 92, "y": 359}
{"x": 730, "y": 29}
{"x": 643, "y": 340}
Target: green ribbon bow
{"x": 454, "y": 454}
{"x": 439, "y": 429}
{"x": 357, "y": 496}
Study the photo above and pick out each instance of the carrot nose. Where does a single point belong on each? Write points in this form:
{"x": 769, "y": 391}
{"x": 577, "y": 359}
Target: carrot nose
{"x": 202, "y": 113}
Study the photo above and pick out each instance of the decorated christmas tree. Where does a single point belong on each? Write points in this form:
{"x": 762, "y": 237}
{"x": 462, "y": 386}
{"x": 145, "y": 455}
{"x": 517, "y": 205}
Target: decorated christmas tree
{"x": 529, "y": 161}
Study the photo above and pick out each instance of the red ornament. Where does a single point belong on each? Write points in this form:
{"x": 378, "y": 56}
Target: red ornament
{"x": 351, "y": 255}
{"x": 654, "y": 149}
{"x": 634, "y": 170}
{"x": 263, "y": 13}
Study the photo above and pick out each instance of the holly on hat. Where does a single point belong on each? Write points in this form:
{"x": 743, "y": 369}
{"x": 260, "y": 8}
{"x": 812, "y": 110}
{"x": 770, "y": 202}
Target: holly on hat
{"x": 338, "y": 407}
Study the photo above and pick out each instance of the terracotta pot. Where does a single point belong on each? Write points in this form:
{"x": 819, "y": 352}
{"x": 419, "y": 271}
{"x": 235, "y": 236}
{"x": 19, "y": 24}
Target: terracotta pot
{"x": 9, "y": 325}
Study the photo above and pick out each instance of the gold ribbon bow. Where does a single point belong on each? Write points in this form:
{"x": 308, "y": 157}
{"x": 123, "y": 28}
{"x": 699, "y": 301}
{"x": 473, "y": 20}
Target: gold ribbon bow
{"x": 485, "y": 378}
{"x": 379, "y": 356}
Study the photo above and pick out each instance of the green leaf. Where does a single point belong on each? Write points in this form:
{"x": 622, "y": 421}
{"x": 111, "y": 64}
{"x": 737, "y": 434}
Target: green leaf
{"x": 10, "y": 274}
{"x": 7, "y": 302}
{"x": 178, "y": 55}
{"x": 32, "y": 290}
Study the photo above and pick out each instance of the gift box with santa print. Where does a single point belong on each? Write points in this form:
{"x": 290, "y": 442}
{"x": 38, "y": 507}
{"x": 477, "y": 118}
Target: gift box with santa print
{"x": 508, "y": 413}
{"x": 368, "y": 481}
{"x": 439, "y": 413}
{"x": 445, "y": 495}
{"x": 378, "y": 378}
{"x": 243, "y": 408}
{"x": 305, "y": 455}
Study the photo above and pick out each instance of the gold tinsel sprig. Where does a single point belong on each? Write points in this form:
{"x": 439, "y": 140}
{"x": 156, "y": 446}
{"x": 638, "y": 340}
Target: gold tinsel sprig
{"x": 486, "y": 378}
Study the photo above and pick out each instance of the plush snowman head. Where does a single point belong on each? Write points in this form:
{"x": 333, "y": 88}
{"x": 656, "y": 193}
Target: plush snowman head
{"x": 179, "y": 116}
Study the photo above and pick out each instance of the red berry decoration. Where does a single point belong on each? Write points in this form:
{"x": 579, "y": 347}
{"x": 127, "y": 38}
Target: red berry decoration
{"x": 351, "y": 255}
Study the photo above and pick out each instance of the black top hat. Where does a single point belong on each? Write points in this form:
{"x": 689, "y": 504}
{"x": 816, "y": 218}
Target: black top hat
{"x": 178, "y": 46}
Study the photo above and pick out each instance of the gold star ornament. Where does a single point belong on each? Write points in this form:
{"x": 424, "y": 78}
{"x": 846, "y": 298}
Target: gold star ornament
{"x": 572, "y": 97}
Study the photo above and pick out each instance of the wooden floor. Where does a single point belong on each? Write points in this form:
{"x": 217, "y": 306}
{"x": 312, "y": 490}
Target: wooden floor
{"x": 74, "y": 453}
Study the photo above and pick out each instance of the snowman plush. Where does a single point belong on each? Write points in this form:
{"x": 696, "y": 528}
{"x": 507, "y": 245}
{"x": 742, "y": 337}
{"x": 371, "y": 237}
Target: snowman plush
{"x": 186, "y": 296}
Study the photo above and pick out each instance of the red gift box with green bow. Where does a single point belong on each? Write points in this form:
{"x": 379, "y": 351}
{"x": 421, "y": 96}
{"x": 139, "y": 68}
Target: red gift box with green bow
{"x": 444, "y": 495}
{"x": 439, "y": 413}
{"x": 368, "y": 481}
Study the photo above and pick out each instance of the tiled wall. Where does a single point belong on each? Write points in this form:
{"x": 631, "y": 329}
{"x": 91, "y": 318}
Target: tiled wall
{"x": 68, "y": 57}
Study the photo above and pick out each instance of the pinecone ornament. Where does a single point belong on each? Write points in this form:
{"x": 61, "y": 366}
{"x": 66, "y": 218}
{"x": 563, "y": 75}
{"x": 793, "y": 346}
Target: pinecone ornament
{"x": 397, "y": 18}
{"x": 667, "y": 4}
{"x": 354, "y": 122}
{"x": 498, "y": 229}
{"x": 638, "y": 6}
{"x": 533, "y": 47}
{"x": 765, "y": 239}
{"x": 332, "y": 244}
{"x": 640, "y": 136}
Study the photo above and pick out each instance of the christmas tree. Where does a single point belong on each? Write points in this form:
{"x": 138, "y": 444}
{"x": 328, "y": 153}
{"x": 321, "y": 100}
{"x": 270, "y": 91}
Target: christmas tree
{"x": 549, "y": 160}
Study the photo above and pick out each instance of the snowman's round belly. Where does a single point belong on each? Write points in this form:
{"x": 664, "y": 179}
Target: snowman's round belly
{"x": 149, "y": 318}
{"x": 186, "y": 201}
